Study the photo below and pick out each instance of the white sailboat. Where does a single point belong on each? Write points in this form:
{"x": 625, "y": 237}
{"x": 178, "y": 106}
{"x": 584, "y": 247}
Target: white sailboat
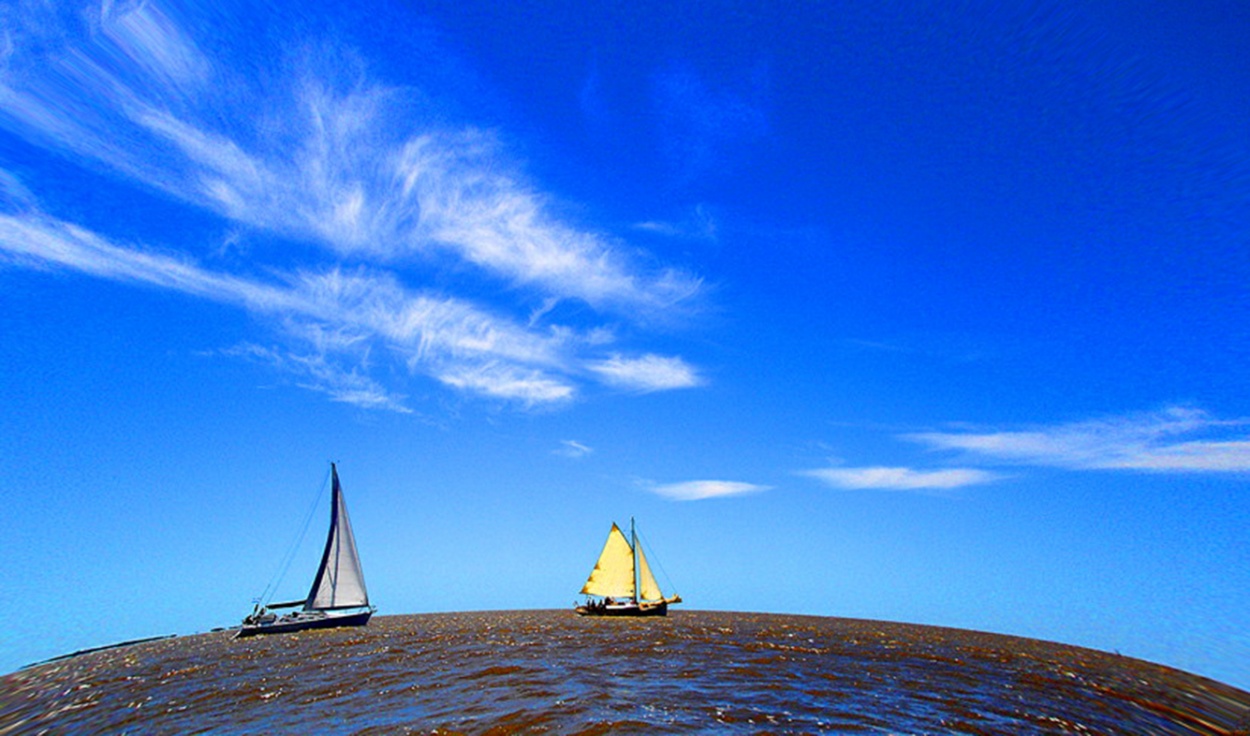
{"x": 621, "y": 582}
{"x": 338, "y": 596}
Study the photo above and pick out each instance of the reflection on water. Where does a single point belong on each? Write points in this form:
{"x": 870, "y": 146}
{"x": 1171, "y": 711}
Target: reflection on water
{"x": 554, "y": 672}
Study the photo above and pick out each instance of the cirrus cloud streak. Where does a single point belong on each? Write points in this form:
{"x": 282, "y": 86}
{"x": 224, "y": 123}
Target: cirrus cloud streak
{"x": 336, "y": 317}
{"x": 698, "y": 490}
{"x": 646, "y": 373}
{"x": 312, "y": 151}
{"x": 332, "y": 159}
{"x": 1176, "y": 439}
{"x": 882, "y": 478}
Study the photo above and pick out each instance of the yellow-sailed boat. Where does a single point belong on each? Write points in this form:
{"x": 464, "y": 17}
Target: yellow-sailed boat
{"x": 621, "y": 584}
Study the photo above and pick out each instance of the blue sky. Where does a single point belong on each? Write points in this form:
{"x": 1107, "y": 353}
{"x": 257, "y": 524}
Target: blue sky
{"x": 932, "y": 312}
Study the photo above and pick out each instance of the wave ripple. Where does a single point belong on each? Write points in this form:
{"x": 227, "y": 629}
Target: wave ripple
{"x": 519, "y": 672}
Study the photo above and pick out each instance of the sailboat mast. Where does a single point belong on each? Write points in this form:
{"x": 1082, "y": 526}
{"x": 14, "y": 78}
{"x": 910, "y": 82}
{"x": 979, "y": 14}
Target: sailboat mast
{"x": 633, "y": 543}
{"x": 330, "y": 539}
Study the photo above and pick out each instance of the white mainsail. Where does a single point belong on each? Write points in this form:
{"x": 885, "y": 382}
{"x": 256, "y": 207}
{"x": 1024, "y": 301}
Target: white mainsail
{"x": 340, "y": 582}
{"x": 613, "y": 574}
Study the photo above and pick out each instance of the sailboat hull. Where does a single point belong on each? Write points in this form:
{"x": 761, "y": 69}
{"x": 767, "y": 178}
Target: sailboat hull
{"x": 305, "y": 620}
{"x": 337, "y": 597}
{"x": 628, "y": 608}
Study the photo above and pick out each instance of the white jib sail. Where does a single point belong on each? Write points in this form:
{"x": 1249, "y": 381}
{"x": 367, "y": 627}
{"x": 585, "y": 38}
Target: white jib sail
{"x": 614, "y": 572}
{"x": 340, "y": 582}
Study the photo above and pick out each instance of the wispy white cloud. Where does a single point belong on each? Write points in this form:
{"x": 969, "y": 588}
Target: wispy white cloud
{"x": 508, "y": 382}
{"x": 336, "y": 162}
{"x": 494, "y": 221}
{"x": 573, "y": 449}
{"x": 698, "y": 490}
{"x": 155, "y": 43}
{"x": 900, "y": 478}
{"x": 38, "y": 241}
{"x": 1176, "y": 439}
{"x": 698, "y": 225}
{"x": 337, "y": 316}
{"x": 14, "y": 195}
{"x": 316, "y": 372}
{"x": 71, "y": 79}
{"x": 646, "y": 373}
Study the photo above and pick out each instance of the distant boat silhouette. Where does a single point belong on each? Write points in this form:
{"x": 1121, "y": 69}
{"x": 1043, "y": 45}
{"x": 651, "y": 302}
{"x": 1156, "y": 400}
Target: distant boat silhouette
{"x": 623, "y": 581}
{"x": 338, "y": 596}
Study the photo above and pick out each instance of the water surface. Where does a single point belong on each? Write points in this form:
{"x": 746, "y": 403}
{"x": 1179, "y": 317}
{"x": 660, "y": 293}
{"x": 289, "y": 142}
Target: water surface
{"x": 554, "y": 672}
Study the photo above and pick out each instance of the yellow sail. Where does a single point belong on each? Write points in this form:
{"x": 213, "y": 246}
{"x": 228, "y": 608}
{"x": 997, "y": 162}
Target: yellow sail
{"x": 650, "y": 589}
{"x": 614, "y": 572}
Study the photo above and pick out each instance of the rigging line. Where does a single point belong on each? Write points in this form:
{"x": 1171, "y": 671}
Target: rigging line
{"x": 655, "y": 561}
{"x": 276, "y": 580}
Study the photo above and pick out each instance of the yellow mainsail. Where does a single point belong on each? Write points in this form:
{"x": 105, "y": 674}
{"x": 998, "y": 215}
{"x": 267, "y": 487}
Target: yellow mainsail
{"x": 613, "y": 575}
{"x": 614, "y": 572}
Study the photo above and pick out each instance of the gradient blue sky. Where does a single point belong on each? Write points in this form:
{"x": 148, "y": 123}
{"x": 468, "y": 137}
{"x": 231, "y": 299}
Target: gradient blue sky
{"x": 931, "y": 312}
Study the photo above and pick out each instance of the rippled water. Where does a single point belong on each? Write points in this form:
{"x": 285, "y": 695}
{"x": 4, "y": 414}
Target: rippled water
{"x": 554, "y": 672}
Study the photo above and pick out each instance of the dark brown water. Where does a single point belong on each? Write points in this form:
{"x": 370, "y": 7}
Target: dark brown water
{"x": 554, "y": 672}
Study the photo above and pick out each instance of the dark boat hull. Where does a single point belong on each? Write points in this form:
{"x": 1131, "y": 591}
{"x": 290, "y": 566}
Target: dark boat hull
{"x": 625, "y": 609}
{"x": 304, "y": 621}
